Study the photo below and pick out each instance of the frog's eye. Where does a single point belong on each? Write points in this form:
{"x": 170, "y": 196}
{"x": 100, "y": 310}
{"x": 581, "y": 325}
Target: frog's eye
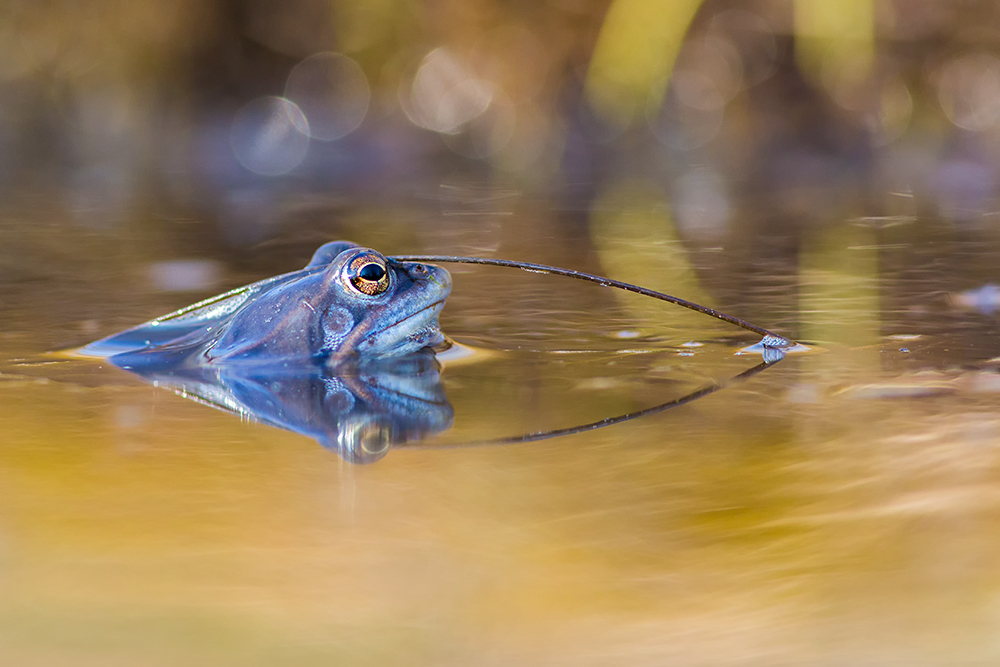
{"x": 368, "y": 275}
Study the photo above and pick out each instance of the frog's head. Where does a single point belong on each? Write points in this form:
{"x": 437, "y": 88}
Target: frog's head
{"x": 371, "y": 306}
{"x": 349, "y": 303}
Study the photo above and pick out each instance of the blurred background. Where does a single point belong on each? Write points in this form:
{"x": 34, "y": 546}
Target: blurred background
{"x": 250, "y": 116}
{"x": 829, "y": 170}
{"x": 170, "y": 137}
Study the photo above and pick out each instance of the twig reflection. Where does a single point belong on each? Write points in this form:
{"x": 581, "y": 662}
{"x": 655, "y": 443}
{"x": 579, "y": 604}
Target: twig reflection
{"x": 769, "y": 360}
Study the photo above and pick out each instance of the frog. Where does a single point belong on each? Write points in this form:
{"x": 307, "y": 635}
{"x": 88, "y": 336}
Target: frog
{"x": 349, "y": 304}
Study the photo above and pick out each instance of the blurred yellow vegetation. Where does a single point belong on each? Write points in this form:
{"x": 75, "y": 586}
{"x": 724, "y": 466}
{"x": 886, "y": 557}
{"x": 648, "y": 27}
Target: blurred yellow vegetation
{"x": 833, "y": 35}
{"x": 636, "y": 241}
{"x": 635, "y": 54}
{"x": 639, "y": 41}
{"x": 839, "y": 276}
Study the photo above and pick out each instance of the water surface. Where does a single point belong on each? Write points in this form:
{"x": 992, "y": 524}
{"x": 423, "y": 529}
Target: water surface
{"x": 840, "y": 507}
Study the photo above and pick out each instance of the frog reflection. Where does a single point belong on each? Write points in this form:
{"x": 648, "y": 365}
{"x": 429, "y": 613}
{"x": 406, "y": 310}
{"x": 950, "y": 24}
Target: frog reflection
{"x": 348, "y": 304}
{"x": 358, "y": 410}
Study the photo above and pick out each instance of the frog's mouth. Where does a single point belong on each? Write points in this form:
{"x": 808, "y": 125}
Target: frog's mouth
{"x": 437, "y": 304}
{"x": 408, "y": 334}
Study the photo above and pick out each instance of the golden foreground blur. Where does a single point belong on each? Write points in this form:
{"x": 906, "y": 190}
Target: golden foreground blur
{"x": 786, "y": 520}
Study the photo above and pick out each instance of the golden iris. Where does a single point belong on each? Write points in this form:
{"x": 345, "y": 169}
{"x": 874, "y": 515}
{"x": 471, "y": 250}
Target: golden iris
{"x": 368, "y": 275}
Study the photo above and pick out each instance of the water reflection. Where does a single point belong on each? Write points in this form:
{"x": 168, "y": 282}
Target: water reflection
{"x": 362, "y": 410}
{"x": 770, "y": 355}
{"x": 358, "y": 411}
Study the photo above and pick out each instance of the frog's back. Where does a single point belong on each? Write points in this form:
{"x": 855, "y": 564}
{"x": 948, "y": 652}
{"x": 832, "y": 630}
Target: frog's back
{"x": 192, "y": 327}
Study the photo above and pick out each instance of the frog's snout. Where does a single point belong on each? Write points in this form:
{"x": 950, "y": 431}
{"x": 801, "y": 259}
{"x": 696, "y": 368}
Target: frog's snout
{"x": 441, "y": 277}
{"x": 430, "y": 273}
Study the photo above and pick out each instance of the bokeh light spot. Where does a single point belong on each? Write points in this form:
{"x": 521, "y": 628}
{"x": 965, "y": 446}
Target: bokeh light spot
{"x": 487, "y": 133}
{"x": 446, "y": 94}
{"x": 270, "y": 136}
{"x": 968, "y": 88}
{"x": 333, "y": 93}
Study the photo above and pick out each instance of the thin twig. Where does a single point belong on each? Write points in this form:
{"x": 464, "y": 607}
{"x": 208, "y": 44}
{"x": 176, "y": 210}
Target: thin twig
{"x": 770, "y": 339}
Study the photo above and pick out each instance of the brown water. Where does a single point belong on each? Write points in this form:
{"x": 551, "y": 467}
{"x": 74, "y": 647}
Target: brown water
{"x": 839, "y": 508}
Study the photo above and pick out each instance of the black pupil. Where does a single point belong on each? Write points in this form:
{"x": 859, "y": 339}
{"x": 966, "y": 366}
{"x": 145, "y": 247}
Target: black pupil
{"x": 372, "y": 272}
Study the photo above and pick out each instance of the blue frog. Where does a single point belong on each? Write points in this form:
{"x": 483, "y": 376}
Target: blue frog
{"x": 348, "y": 304}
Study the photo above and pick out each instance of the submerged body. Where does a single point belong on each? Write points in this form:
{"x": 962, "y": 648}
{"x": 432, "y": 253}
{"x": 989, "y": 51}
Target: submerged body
{"x": 348, "y": 304}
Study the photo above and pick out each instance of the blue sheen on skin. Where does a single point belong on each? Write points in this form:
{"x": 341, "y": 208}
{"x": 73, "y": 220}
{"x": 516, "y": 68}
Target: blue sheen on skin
{"x": 316, "y": 314}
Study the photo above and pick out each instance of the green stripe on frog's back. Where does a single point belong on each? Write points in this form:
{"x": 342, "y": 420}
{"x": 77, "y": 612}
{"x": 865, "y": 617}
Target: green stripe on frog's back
{"x": 229, "y": 302}
{"x": 209, "y": 313}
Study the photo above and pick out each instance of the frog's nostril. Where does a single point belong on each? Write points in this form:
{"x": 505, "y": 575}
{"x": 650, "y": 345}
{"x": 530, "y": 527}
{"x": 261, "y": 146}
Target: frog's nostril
{"x": 419, "y": 269}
